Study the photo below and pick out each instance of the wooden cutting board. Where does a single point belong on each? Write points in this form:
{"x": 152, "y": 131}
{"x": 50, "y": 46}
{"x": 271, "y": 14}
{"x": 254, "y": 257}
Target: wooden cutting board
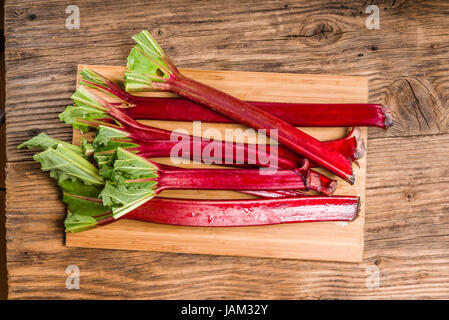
{"x": 316, "y": 241}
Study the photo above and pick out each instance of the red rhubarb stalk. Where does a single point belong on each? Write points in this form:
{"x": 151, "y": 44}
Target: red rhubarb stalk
{"x": 275, "y": 193}
{"x": 150, "y": 68}
{"x": 228, "y": 179}
{"x": 313, "y": 181}
{"x": 146, "y": 137}
{"x": 133, "y": 180}
{"x": 126, "y": 127}
{"x": 351, "y": 146}
{"x": 297, "y": 114}
{"x": 234, "y": 213}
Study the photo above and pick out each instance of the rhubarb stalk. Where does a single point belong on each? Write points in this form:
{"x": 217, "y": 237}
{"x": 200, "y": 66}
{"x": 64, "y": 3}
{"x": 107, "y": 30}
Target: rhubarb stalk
{"x": 150, "y": 69}
{"x": 133, "y": 180}
{"x": 218, "y": 152}
{"x": 235, "y": 213}
{"x": 93, "y": 111}
{"x": 297, "y": 114}
{"x": 82, "y": 186}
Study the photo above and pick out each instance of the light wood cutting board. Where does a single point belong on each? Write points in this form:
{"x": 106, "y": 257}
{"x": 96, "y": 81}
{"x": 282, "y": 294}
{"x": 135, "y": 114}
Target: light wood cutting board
{"x": 315, "y": 241}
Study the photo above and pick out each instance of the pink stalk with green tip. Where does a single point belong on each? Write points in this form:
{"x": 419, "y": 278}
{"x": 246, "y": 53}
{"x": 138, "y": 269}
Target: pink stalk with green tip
{"x": 150, "y": 68}
{"x": 297, "y": 114}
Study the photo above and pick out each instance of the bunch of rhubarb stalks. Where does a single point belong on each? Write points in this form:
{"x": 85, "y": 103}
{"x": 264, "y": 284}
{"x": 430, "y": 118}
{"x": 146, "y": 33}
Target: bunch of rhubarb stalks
{"x": 110, "y": 176}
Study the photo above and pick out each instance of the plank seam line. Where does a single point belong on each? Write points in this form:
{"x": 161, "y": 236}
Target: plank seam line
{"x": 370, "y": 137}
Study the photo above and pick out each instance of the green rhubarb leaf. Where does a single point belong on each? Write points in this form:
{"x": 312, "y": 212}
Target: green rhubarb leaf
{"x": 83, "y": 204}
{"x": 79, "y": 188}
{"x": 87, "y": 112}
{"x": 106, "y": 134}
{"x": 64, "y": 164}
{"x": 147, "y": 63}
{"x": 105, "y": 146}
{"x": 129, "y": 166}
{"x": 123, "y": 198}
{"x": 109, "y": 139}
{"x": 83, "y": 199}
{"x": 43, "y": 141}
{"x": 132, "y": 183}
{"x": 105, "y": 164}
{"x": 75, "y": 222}
{"x": 83, "y": 97}
{"x": 77, "y": 177}
{"x": 93, "y": 77}
{"x": 87, "y": 147}
{"x": 75, "y": 116}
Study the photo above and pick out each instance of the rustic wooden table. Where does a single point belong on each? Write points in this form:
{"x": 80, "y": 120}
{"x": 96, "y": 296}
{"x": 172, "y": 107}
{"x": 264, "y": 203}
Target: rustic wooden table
{"x": 407, "y": 213}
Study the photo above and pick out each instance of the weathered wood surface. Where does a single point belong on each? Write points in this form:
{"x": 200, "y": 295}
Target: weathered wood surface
{"x": 3, "y": 281}
{"x": 406, "y": 61}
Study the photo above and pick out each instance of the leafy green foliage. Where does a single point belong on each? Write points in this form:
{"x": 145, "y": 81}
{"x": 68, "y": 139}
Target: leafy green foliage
{"x": 132, "y": 182}
{"x": 106, "y": 140}
{"x": 74, "y": 116}
{"x": 76, "y": 176}
{"x": 43, "y": 141}
{"x": 64, "y": 164}
{"x": 83, "y": 97}
{"x": 92, "y": 76}
{"x": 87, "y": 108}
{"x": 146, "y": 64}
{"x": 83, "y": 199}
{"x": 85, "y": 208}
{"x": 78, "y": 222}
{"x": 105, "y": 164}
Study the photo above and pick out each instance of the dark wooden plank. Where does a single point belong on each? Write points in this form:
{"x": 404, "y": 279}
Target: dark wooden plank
{"x": 406, "y": 238}
{"x": 406, "y": 60}
{"x": 3, "y": 281}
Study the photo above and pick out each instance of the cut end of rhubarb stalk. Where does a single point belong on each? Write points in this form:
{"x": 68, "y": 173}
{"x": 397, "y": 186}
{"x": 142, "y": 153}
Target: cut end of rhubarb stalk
{"x": 350, "y": 179}
{"x": 359, "y": 205}
{"x": 331, "y": 187}
{"x": 303, "y": 170}
{"x": 388, "y": 116}
{"x": 320, "y": 183}
{"x": 360, "y": 143}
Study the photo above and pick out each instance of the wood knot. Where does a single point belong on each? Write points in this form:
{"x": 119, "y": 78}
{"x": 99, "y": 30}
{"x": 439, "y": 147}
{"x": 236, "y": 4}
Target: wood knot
{"x": 423, "y": 275}
{"x": 158, "y": 32}
{"x": 320, "y": 33}
{"x": 417, "y": 107}
{"x": 410, "y": 196}
{"x": 19, "y": 12}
